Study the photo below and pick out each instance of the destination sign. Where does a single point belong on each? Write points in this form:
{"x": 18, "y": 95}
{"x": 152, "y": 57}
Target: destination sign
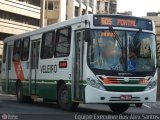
{"x": 122, "y": 21}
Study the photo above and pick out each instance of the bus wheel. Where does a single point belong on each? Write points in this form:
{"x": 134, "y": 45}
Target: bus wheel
{"x": 64, "y": 100}
{"x": 138, "y": 105}
{"x": 19, "y": 92}
{"x": 118, "y": 107}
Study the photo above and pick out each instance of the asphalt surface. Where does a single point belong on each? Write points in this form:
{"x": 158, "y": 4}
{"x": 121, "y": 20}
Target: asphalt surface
{"x": 11, "y": 109}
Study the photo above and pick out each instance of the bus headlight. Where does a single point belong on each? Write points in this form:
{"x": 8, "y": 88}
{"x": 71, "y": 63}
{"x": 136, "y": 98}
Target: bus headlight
{"x": 95, "y": 83}
{"x": 151, "y": 84}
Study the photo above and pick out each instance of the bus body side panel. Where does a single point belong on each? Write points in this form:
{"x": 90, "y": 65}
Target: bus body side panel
{"x": 42, "y": 82}
{"x": 45, "y": 82}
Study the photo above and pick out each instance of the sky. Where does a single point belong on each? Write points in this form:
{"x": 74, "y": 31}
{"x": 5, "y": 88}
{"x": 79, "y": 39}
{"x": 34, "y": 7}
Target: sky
{"x": 139, "y": 7}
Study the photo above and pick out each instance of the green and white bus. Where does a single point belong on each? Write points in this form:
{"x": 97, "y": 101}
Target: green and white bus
{"x": 106, "y": 59}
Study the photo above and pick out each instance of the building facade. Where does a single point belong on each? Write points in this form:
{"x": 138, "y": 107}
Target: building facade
{"x": 125, "y": 13}
{"x": 18, "y": 16}
{"x": 61, "y": 10}
{"x": 106, "y": 6}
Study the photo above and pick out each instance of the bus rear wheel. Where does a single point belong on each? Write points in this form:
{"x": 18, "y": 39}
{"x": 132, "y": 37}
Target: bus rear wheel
{"x": 119, "y": 107}
{"x": 63, "y": 99}
{"x": 19, "y": 92}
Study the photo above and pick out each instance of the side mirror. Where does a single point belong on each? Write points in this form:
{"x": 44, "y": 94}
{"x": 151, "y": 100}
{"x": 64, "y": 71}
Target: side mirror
{"x": 87, "y": 35}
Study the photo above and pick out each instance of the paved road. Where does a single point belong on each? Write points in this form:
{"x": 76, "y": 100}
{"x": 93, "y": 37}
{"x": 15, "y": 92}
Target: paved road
{"x": 51, "y": 111}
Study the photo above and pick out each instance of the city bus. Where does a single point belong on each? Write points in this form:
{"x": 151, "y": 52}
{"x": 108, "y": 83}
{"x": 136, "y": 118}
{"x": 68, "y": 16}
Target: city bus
{"x": 95, "y": 58}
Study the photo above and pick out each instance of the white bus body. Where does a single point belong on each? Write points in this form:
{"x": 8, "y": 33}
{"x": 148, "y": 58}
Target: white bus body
{"x": 65, "y": 62}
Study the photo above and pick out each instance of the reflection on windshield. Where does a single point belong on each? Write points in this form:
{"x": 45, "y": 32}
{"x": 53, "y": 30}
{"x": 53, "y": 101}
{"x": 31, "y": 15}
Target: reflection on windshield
{"x": 105, "y": 51}
{"x": 141, "y": 52}
{"x": 108, "y": 53}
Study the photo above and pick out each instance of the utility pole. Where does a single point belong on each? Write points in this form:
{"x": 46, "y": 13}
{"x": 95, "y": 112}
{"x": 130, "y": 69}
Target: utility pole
{"x": 42, "y": 12}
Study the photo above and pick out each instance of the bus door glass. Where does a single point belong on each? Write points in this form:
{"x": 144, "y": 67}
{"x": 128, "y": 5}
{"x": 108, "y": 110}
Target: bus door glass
{"x": 78, "y": 69}
{"x": 34, "y": 61}
{"x": 9, "y": 69}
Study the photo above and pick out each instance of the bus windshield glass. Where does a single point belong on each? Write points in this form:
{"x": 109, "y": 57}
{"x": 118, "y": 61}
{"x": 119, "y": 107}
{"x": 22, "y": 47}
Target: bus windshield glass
{"x": 122, "y": 51}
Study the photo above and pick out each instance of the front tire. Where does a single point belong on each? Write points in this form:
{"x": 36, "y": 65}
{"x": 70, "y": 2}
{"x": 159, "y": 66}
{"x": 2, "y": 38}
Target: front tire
{"x": 119, "y": 107}
{"x": 138, "y": 105}
{"x": 63, "y": 99}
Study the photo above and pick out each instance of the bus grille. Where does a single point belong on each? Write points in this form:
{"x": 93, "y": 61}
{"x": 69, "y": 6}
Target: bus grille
{"x": 124, "y": 84}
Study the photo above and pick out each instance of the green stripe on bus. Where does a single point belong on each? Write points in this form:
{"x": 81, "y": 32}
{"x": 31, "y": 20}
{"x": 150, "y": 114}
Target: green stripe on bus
{"x": 125, "y": 88}
{"x": 130, "y": 82}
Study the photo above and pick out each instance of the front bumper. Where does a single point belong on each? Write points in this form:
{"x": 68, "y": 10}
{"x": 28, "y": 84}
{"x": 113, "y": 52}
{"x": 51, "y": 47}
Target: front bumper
{"x": 93, "y": 95}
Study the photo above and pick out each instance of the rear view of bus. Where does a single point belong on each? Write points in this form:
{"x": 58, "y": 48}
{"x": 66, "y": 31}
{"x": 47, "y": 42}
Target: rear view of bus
{"x": 121, "y": 59}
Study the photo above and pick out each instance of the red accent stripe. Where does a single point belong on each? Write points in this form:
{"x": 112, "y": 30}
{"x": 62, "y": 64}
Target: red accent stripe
{"x": 18, "y": 70}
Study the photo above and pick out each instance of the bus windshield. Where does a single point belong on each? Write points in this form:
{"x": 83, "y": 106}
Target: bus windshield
{"x": 119, "y": 50}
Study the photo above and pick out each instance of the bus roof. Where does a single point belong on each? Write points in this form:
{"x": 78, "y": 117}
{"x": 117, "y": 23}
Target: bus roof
{"x": 47, "y": 28}
{"x": 65, "y": 23}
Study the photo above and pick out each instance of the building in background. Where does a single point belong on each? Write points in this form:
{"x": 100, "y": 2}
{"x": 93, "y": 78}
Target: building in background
{"x": 61, "y": 10}
{"x": 125, "y": 13}
{"x": 106, "y": 6}
{"x": 18, "y": 16}
{"x": 155, "y": 16}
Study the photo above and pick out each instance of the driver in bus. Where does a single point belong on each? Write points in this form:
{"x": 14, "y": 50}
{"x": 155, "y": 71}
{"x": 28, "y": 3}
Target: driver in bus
{"x": 110, "y": 53}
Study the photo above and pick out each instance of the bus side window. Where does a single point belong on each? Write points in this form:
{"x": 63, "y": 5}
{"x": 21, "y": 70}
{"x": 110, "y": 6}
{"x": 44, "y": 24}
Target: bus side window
{"x": 4, "y": 52}
{"x": 25, "y": 49}
{"x": 63, "y": 41}
{"x": 47, "y": 46}
{"x": 17, "y": 50}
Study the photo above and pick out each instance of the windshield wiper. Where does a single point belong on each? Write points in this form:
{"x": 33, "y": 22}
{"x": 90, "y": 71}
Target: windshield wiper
{"x": 136, "y": 36}
{"x": 116, "y": 37}
{"x": 99, "y": 52}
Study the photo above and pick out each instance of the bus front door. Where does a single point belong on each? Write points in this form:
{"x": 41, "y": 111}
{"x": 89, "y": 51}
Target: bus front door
{"x": 78, "y": 67}
{"x": 34, "y": 61}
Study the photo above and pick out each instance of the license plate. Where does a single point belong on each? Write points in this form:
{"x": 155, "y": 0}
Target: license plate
{"x": 126, "y": 97}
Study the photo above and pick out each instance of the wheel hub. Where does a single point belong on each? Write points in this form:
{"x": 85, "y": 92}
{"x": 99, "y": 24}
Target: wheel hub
{"x": 64, "y": 97}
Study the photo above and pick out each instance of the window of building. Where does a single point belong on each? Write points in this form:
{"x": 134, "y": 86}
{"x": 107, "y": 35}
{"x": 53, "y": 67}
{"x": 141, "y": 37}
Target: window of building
{"x": 83, "y": 11}
{"x": 89, "y": 12}
{"x": 45, "y": 5}
{"x": 33, "y": 2}
{"x": 47, "y": 46}
{"x": 17, "y": 50}
{"x": 76, "y": 11}
{"x": 50, "y": 5}
{"x": 106, "y": 6}
{"x": 98, "y": 4}
{"x": 25, "y": 49}
{"x": 63, "y": 41}
{"x": 90, "y": 3}
{"x": 18, "y": 18}
{"x": 56, "y": 4}
{"x": 4, "y": 52}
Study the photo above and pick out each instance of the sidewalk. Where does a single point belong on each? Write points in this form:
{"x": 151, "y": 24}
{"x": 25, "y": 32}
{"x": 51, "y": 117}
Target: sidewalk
{"x": 157, "y": 104}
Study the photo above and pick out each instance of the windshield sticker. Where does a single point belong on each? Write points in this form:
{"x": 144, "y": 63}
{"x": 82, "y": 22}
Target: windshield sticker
{"x": 131, "y": 65}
